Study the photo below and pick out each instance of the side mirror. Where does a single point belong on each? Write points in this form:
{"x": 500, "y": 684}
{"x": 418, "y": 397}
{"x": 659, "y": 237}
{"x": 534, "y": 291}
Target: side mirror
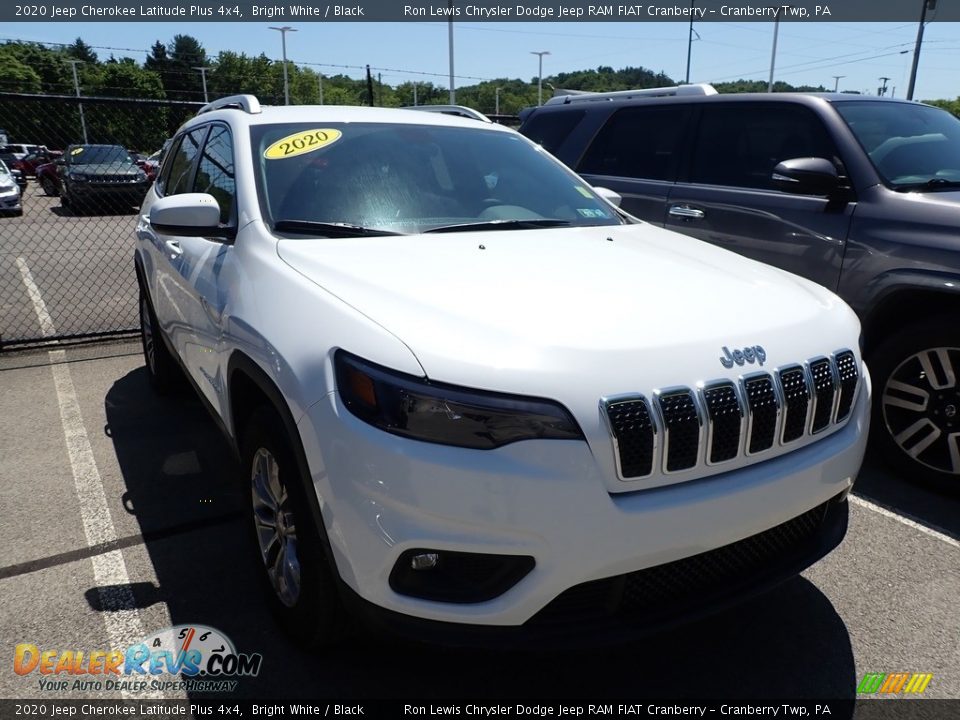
{"x": 806, "y": 176}
{"x": 189, "y": 214}
{"x": 612, "y": 197}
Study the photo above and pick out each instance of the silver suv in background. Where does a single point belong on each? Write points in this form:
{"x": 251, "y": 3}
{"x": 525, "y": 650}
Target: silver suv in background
{"x": 861, "y": 195}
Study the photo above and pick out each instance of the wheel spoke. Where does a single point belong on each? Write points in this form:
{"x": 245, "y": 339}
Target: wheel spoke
{"x": 932, "y": 433}
{"x": 917, "y": 405}
{"x": 938, "y": 368}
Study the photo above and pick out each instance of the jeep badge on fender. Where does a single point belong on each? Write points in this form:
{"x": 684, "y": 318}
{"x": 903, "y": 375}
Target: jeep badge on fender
{"x": 749, "y": 354}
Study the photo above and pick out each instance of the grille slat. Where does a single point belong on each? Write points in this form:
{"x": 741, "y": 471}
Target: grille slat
{"x": 681, "y": 427}
{"x": 725, "y": 417}
{"x": 795, "y": 401}
{"x": 633, "y": 433}
{"x": 823, "y": 391}
{"x": 763, "y": 408}
{"x": 849, "y": 377}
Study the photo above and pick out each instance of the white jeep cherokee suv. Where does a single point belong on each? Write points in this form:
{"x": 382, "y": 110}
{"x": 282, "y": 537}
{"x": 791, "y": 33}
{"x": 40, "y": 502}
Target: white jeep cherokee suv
{"x": 470, "y": 395}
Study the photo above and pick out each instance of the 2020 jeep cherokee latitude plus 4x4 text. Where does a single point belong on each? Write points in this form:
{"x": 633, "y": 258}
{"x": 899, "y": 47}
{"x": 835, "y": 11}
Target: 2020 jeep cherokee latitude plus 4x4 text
{"x": 467, "y": 391}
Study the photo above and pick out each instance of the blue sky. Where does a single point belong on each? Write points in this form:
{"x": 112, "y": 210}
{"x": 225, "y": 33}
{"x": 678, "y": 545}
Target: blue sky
{"x": 807, "y": 53}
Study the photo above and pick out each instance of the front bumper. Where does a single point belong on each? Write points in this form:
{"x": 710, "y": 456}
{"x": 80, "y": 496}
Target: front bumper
{"x": 382, "y": 495}
{"x": 10, "y": 201}
{"x": 132, "y": 193}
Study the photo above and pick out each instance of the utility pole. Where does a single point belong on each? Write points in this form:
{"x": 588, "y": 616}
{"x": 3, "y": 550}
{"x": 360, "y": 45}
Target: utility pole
{"x": 882, "y": 90}
{"x": 496, "y": 110}
{"x": 925, "y": 5}
{"x": 773, "y": 53}
{"x": 203, "y": 76}
{"x": 689, "y": 43}
{"x": 283, "y": 41}
{"x": 540, "y": 55}
{"x": 453, "y": 92}
{"x": 369, "y": 87}
{"x": 836, "y": 82}
{"x": 414, "y": 94}
{"x": 320, "y": 85}
{"x": 76, "y": 87}
{"x": 379, "y": 91}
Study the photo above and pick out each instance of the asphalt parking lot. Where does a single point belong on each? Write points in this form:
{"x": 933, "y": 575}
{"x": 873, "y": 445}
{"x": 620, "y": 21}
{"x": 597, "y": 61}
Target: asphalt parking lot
{"x": 122, "y": 517}
{"x": 80, "y": 266}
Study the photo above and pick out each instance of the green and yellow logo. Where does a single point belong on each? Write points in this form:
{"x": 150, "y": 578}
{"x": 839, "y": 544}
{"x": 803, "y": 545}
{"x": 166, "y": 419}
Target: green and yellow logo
{"x": 894, "y": 683}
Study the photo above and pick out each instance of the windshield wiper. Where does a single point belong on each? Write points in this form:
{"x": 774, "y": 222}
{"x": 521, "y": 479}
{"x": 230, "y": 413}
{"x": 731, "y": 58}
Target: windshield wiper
{"x": 330, "y": 229}
{"x": 501, "y": 225}
{"x": 931, "y": 184}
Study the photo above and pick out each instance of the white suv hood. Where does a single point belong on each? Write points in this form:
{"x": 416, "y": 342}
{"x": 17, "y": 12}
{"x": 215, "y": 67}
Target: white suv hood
{"x": 602, "y": 309}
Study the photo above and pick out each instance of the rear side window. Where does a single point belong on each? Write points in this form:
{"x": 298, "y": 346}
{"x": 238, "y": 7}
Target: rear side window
{"x": 739, "y": 144}
{"x": 639, "y": 142}
{"x": 215, "y": 173}
{"x": 550, "y": 129}
{"x": 181, "y": 164}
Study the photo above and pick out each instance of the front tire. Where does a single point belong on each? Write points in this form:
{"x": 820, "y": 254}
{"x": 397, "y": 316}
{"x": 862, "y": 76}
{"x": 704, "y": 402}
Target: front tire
{"x": 49, "y": 188}
{"x": 917, "y": 406}
{"x": 299, "y": 585}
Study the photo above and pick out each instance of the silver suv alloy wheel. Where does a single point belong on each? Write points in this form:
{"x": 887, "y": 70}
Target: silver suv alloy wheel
{"x": 275, "y": 528}
{"x": 921, "y": 408}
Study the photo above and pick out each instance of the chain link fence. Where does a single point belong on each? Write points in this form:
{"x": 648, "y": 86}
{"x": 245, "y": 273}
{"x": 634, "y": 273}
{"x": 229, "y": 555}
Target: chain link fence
{"x": 66, "y": 252}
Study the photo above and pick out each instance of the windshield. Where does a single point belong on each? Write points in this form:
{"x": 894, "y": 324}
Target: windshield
{"x": 99, "y": 155}
{"x": 912, "y": 146}
{"x": 414, "y": 178}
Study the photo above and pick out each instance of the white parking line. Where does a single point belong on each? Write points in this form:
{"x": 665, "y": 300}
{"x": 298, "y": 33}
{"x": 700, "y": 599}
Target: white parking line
{"x": 905, "y": 520}
{"x": 117, "y": 604}
{"x": 46, "y": 322}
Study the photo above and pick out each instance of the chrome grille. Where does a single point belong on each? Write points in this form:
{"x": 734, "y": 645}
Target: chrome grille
{"x": 725, "y": 420}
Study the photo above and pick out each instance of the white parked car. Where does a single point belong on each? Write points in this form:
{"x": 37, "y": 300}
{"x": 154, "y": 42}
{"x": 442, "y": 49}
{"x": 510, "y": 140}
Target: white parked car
{"x": 470, "y": 395}
{"x": 10, "y": 197}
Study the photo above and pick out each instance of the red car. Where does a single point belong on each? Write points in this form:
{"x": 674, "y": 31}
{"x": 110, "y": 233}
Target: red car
{"x": 32, "y": 161}
{"x": 48, "y": 175}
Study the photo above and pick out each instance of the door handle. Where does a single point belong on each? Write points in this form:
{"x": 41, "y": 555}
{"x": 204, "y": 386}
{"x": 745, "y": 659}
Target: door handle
{"x": 686, "y": 212}
{"x": 174, "y": 247}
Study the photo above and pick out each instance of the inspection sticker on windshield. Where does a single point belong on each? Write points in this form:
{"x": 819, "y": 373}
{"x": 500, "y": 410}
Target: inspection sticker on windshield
{"x": 592, "y": 213}
{"x": 301, "y": 142}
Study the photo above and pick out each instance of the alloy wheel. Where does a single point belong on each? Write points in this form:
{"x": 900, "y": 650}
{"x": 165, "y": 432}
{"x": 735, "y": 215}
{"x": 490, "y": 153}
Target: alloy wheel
{"x": 275, "y": 527}
{"x": 921, "y": 408}
{"x": 146, "y": 330}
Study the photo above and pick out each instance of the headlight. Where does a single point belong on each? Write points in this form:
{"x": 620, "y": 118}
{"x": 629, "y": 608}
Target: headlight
{"x": 433, "y": 412}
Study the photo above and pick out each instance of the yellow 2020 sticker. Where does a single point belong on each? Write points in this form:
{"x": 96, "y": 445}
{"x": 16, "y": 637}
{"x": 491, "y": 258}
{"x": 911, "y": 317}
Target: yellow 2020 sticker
{"x": 301, "y": 142}
{"x": 76, "y": 151}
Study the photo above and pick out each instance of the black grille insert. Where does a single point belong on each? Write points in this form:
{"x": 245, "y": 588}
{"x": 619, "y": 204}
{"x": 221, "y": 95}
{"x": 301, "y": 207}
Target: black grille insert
{"x": 763, "y": 406}
{"x": 671, "y": 588}
{"x": 724, "y": 416}
{"x": 796, "y": 400}
{"x": 633, "y": 431}
{"x": 847, "y": 370}
{"x": 823, "y": 391}
{"x": 681, "y": 424}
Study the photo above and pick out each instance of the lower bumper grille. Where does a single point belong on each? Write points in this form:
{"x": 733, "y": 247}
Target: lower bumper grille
{"x": 673, "y": 588}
